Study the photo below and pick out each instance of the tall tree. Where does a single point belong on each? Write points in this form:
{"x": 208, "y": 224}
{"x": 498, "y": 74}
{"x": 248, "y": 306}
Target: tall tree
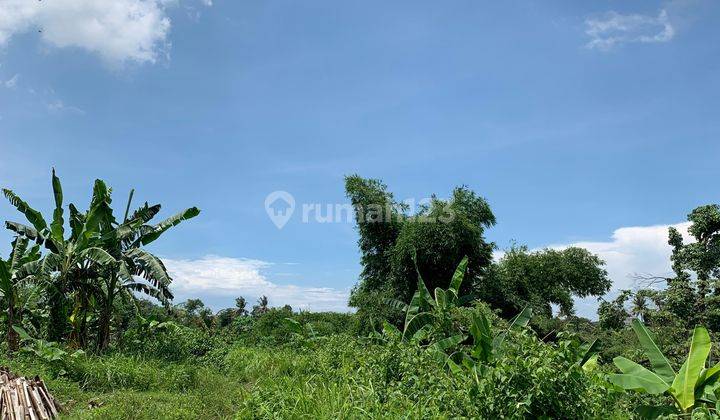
{"x": 700, "y": 257}
{"x": 240, "y": 306}
{"x": 73, "y": 263}
{"x": 98, "y": 260}
{"x": 261, "y": 307}
{"x": 392, "y": 241}
{"x": 379, "y": 221}
{"x": 124, "y": 242}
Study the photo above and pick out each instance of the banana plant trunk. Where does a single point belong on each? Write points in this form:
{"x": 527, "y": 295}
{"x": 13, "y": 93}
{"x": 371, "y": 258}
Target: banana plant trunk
{"x": 105, "y": 318}
{"x": 104, "y": 330}
{"x": 13, "y": 340}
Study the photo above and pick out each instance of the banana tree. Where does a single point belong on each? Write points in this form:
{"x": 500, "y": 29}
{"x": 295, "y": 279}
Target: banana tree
{"x": 72, "y": 264}
{"x": 691, "y": 387}
{"x": 13, "y": 272}
{"x": 124, "y": 242}
{"x": 433, "y": 312}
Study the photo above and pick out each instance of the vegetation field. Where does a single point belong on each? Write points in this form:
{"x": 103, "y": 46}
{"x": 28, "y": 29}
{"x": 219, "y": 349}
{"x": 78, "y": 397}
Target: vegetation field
{"x": 440, "y": 329}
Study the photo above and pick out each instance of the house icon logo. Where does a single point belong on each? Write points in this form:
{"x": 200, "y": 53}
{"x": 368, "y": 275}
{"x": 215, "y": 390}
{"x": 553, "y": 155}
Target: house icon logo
{"x": 280, "y": 206}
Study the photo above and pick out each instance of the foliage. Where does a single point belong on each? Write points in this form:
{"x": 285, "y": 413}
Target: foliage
{"x": 17, "y": 269}
{"x": 612, "y": 314}
{"x": 692, "y": 386}
{"x": 701, "y": 257}
{"x": 542, "y": 278}
{"x": 100, "y": 259}
{"x": 393, "y": 242}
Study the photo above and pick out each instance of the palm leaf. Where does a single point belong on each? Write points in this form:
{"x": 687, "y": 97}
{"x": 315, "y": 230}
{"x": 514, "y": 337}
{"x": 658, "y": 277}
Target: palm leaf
{"x": 145, "y": 213}
{"x": 19, "y": 247}
{"x": 77, "y": 221}
{"x": 149, "y": 266}
{"x": 396, "y": 304}
{"x": 441, "y": 298}
{"x": 448, "y": 343}
{"x": 5, "y": 277}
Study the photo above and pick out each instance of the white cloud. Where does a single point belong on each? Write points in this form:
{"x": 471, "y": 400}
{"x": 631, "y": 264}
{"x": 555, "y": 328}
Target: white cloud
{"x": 117, "y": 30}
{"x": 615, "y": 29}
{"x": 631, "y": 251}
{"x": 58, "y": 106}
{"x": 12, "y": 82}
{"x": 634, "y": 250}
{"x": 214, "y": 277}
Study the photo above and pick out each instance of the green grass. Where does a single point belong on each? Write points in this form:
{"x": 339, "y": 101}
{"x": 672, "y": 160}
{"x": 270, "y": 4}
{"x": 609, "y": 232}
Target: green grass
{"x": 338, "y": 377}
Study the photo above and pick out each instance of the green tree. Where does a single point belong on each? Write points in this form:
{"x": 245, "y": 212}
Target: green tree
{"x": 379, "y": 221}
{"x": 612, "y": 314}
{"x": 261, "y": 307}
{"x": 542, "y": 278}
{"x": 640, "y": 306}
{"x": 240, "y": 306}
{"x": 438, "y": 235}
{"x": 72, "y": 264}
{"x": 124, "y": 242}
{"x": 97, "y": 261}
{"x": 700, "y": 257}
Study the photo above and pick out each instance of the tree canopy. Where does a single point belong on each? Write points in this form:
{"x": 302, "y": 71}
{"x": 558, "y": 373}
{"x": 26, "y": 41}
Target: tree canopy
{"x": 542, "y": 278}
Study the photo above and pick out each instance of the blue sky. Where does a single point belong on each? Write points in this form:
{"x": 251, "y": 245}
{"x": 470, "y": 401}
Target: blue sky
{"x": 580, "y": 122}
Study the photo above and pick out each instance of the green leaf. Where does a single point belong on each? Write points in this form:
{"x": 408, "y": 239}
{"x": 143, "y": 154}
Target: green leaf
{"x": 482, "y": 337}
{"x": 416, "y": 323}
{"x": 637, "y": 377}
{"x": 390, "y": 330}
{"x": 659, "y": 363}
{"x": 22, "y": 333}
{"x": 448, "y": 343}
{"x": 293, "y": 325}
{"x": 441, "y": 300}
{"x": 423, "y": 292}
{"x": 710, "y": 376}
{"x": 5, "y": 277}
{"x": 166, "y": 224}
{"x": 520, "y": 320}
{"x": 590, "y": 352}
{"x": 683, "y": 387}
{"x": 56, "y": 227}
{"x": 591, "y": 364}
{"x": 458, "y": 276}
{"x": 148, "y": 290}
{"x": 98, "y": 256}
{"x": 33, "y": 216}
{"x": 396, "y": 304}
{"x": 151, "y": 268}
